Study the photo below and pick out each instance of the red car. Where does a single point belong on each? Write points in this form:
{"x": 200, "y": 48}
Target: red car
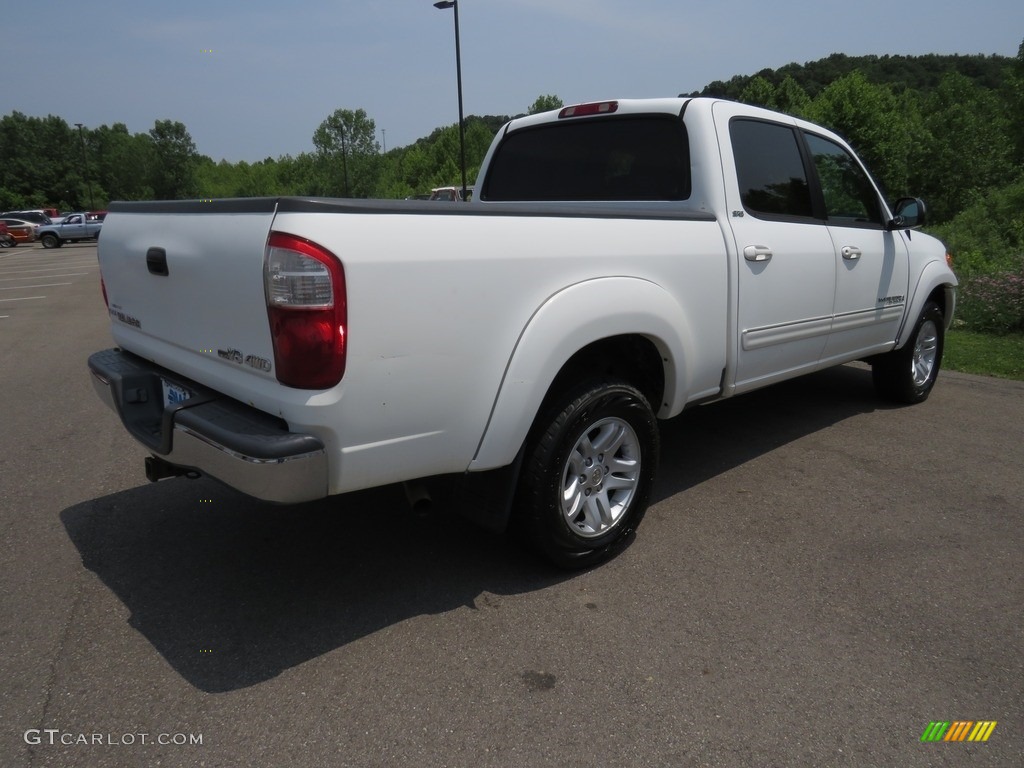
{"x": 22, "y": 231}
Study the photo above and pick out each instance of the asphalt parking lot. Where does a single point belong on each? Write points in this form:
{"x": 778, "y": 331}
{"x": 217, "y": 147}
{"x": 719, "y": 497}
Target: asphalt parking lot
{"x": 819, "y": 578}
{"x": 30, "y": 273}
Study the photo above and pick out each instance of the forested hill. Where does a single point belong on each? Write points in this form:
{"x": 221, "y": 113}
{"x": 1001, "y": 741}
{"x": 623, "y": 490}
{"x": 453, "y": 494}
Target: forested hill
{"x": 947, "y": 128}
{"x": 919, "y": 73}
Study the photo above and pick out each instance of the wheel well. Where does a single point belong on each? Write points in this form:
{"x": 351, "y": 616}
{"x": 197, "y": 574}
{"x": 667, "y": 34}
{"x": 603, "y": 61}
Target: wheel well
{"x": 938, "y": 295}
{"x": 633, "y": 359}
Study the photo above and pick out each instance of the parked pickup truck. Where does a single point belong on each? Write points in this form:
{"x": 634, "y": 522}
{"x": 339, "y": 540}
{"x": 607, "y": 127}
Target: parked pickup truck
{"x": 72, "y": 228}
{"x": 621, "y": 262}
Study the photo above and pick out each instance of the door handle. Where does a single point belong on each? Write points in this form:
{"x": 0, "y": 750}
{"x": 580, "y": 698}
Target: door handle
{"x": 851, "y": 253}
{"x": 757, "y": 253}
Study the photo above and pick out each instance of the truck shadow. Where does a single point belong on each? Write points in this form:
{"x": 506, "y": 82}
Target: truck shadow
{"x": 231, "y": 592}
{"x": 706, "y": 441}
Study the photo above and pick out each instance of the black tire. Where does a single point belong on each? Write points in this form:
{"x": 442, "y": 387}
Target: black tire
{"x": 907, "y": 375}
{"x": 577, "y": 503}
{"x": 50, "y": 241}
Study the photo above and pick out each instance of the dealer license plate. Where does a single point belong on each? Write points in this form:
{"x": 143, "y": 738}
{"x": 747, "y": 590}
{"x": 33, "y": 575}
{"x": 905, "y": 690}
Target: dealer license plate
{"x": 173, "y": 394}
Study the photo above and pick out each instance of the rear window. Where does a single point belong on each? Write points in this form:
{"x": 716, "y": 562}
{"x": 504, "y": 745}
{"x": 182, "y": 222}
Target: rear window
{"x": 623, "y": 158}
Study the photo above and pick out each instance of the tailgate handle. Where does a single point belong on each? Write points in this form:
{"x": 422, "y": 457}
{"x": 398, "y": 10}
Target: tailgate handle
{"x": 156, "y": 261}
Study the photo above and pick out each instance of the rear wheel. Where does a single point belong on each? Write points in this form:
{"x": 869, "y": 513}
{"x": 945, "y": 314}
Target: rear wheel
{"x": 907, "y": 375}
{"x": 588, "y": 472}
{"x": 50, "y": 241}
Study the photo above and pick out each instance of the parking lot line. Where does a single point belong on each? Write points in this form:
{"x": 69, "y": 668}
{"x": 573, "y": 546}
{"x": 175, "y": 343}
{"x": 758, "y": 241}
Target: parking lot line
{"x": 37, "y": 269}
{"x": 23, "y": 287}
{"x": 25, "y": 298}
{"x": 66, "y": 274}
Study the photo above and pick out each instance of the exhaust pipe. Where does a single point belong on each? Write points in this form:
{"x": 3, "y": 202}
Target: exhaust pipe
{"x": 418, "y": 497}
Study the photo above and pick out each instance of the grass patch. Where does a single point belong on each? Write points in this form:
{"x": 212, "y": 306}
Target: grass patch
{"x": 985, "y": 354}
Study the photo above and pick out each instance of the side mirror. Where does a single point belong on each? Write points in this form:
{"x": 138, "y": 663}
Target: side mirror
{"x": 908, "y": 213}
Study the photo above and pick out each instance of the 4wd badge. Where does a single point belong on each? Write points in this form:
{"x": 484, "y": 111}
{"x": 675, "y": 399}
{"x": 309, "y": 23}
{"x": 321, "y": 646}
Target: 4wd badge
{"x": 259, "y": 363}
{"x": 253, "y": 361}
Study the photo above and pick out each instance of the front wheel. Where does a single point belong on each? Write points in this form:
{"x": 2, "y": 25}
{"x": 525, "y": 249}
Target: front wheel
{"x": 50, "y": 241}
{"x": 588, "y": 471}
{"x": 907, "y": 375}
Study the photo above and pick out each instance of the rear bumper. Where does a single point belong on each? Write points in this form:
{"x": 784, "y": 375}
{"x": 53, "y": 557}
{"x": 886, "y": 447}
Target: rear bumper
{"x": 245, "y": 448}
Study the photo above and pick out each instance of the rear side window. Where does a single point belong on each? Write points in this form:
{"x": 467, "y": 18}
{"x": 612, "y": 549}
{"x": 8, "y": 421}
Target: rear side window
{"x": 622, "y": 158}
{"x": 770, "y": 168}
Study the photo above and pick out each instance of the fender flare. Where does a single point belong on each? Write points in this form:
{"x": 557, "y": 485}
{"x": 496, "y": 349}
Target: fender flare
{"x": 568, "y": 321}
{"x": 936, "y": 274}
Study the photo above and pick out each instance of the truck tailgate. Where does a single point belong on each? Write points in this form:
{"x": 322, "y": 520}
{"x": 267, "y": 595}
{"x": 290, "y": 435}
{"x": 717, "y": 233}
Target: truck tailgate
{"x": 184, "y": 285}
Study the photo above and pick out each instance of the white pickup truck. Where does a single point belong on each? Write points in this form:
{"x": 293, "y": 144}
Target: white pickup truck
{"x": 620, "y": 262}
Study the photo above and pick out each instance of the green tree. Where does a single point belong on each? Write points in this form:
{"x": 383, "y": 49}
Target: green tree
{"x": 786, "y": 97}
{"x": 173, "y": 174}
{"x": 790, "y": 97}
{"x": 347, "y": 151}
{"x": 40, "y": 163}
{"x": 216, "y": 180}
{"x": 759, "y": 92}
{"x": 416, "y": 168}
{"x": 445, "y": 158}
{"x": 478, "y": 140}
{"x": 390, "y": 181}
{"x": 916, "y": 73}
{"x": 970, "y": 149}
{"x": 1015, "y": 102}
{"x": 123, "y": 163}
{"x": 873, "y": 121}
{"x": 545, "y": 104}
{"x": 988, "y": 235}
{"x": 298, "y": 175}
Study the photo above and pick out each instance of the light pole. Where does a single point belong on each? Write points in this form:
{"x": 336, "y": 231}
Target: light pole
{"x": 344, "y": 160}
{"x": 85, "y": 167}
{"x": 444, "y": 5}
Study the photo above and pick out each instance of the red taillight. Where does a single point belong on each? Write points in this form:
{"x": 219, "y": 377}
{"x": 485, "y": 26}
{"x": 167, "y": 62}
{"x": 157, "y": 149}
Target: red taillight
{"x": 595, "y": 108}
{"x": 305, "y": 287}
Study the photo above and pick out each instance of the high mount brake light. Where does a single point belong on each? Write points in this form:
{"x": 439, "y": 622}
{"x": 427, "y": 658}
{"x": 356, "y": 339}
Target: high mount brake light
{"x": 595, "y": 108}
{"x": 305, "y": 287}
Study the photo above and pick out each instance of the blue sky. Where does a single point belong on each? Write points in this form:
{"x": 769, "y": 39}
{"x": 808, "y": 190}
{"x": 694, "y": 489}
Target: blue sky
{"x": 254, "y": 79}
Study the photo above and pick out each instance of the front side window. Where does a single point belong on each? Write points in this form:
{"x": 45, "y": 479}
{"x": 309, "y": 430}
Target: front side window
{"x": 645, "y": 157}
{"x": 850, "y": 198}
{"x": 770, "y": 169}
